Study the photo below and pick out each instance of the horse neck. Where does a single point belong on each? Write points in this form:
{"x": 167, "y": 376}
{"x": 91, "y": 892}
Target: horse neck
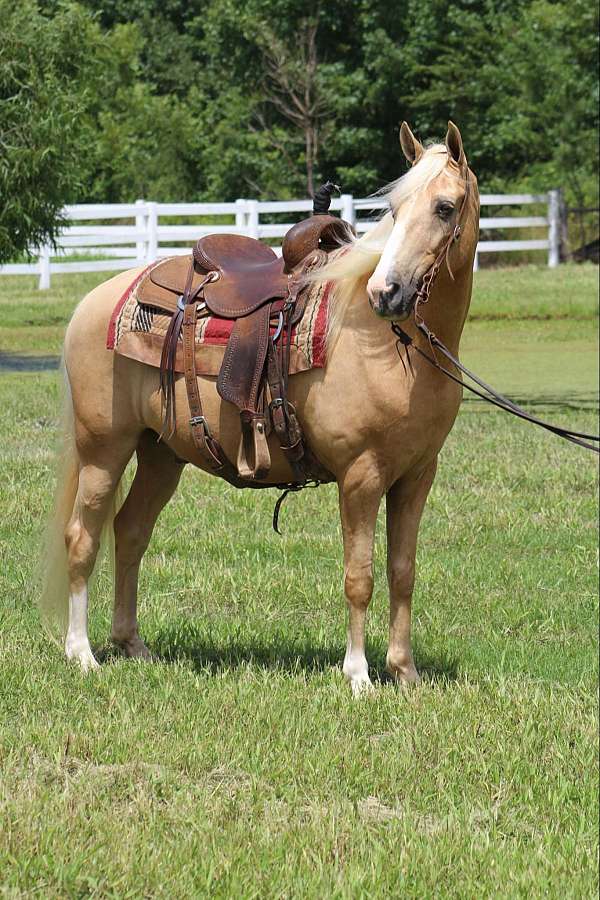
{"x": 448, "y": 305}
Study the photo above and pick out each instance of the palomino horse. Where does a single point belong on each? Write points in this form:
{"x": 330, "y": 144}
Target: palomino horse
{"x": 376, "y": 424}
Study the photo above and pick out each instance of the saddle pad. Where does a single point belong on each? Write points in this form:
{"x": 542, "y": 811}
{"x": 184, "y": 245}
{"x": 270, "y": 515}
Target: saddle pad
{"x": 137, "y": 331}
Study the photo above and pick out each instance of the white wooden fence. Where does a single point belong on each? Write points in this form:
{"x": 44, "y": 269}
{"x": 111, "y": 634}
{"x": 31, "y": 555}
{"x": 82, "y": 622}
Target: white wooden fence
{"x": 124, "y": 245}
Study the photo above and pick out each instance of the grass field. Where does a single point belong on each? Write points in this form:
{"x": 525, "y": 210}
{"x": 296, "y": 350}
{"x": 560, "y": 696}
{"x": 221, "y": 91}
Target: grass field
{"x": 237, "y": 764}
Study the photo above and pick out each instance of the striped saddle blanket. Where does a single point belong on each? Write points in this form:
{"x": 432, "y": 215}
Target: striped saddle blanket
{"x": 138, "y": 331}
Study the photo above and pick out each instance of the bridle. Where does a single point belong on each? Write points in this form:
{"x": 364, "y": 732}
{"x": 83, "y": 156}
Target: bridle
{"x": 444, "y": 255}
{"x": 487, "y": 392}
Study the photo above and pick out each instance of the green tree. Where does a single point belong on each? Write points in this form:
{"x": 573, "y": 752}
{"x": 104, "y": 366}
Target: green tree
{"x": 144, "y": 143}
{"x": 287, "y": 96}
{"x": 521, "y": 80}
{"x": 47, "y": 69}
{"x": 269, "y": 97}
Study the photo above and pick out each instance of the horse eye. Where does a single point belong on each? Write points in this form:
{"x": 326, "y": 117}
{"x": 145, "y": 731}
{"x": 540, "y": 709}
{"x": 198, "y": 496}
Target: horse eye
{"x": 444, "y": 210}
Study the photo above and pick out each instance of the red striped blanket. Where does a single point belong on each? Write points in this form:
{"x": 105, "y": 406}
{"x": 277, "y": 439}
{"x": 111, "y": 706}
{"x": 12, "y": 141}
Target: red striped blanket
{"x": 138, "y": 331}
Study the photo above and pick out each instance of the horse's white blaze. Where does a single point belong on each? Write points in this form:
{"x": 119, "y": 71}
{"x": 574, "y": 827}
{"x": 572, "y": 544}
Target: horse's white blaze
{"x": 77, "y": 645}
{"x": 384, "y": 273}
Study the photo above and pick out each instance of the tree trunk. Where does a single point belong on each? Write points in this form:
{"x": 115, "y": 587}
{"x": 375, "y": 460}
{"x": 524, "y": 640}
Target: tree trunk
{"x": 308, "y": 143}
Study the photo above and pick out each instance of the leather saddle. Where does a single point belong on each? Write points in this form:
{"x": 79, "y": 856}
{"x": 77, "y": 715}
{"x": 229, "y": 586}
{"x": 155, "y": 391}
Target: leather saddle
{"x": 239, "y": 278}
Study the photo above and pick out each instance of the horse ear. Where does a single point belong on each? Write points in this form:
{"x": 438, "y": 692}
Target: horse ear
{"x": 411, "y": 147}
{"x": 454, "y": 145}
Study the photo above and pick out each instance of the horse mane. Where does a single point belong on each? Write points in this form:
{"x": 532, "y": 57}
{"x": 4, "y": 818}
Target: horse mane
{"x": 354, "y": 263}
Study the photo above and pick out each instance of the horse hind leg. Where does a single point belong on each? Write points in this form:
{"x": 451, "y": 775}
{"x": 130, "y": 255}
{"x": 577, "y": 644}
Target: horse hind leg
{"x": 157, "y": 476}
{"x": 97, "y": 483}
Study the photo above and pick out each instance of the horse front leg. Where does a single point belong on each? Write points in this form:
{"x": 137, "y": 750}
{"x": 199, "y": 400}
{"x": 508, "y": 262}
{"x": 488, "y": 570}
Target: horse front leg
{"x": 360, "y": 496}
{"x": 405, "y": 502}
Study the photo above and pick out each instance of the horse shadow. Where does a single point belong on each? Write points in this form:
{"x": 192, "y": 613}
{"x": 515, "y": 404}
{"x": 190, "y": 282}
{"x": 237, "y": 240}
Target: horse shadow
{"x": 281, "y": 652}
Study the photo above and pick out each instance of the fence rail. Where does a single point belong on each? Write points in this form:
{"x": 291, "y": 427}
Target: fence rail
{"x": 146, "y": 237}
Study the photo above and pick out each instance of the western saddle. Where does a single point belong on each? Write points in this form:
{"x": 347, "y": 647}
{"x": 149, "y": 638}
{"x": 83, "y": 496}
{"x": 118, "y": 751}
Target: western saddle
{"x": 238, "y": 278}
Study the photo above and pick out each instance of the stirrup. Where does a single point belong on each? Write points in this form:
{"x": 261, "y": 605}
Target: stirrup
{"x": 254, "y": 459}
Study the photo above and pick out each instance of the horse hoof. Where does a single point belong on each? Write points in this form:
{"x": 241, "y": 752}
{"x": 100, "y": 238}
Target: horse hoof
{"x": 405, "y": 677}
{"x": 362, "y": 687}
{"x": 85, "y": 659}
{"x": 134, "y": 648}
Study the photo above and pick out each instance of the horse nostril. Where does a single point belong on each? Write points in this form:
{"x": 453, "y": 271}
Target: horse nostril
{"x": 390, "y": 291}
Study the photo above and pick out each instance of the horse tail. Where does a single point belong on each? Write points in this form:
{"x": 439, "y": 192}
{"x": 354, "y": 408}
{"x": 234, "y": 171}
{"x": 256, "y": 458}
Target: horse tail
{"x": 54, "y": 573}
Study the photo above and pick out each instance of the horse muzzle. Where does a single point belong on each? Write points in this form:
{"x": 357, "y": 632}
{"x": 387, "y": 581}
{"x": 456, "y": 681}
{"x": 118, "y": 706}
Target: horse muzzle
{"x": 395, "y": 302}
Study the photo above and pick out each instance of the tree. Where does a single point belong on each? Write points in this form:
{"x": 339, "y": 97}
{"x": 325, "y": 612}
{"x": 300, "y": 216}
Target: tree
{"x": 144, "y": 143}
{"x": 269, "y": 97}
{"x": 293, "y": 86}
{"x": 285, "y": 97}
{"x": 520, "y": 78}
{"x": 46, "y": 71}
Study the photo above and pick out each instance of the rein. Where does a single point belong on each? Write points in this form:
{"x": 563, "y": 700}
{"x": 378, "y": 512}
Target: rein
{"x": 487, "y": 393}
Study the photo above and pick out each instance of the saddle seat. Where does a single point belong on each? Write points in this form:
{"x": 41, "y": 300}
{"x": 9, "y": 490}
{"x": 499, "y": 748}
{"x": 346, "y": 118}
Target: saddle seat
{"x": 247, "y": 275}
{"x": 249, "y": 272}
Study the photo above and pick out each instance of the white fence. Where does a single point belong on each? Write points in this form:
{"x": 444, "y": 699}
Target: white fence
{"x": 124, "y": 245}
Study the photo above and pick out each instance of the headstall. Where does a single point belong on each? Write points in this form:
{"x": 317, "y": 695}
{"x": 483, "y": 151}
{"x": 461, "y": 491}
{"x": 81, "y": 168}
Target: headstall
{"x": 487, "y": 392}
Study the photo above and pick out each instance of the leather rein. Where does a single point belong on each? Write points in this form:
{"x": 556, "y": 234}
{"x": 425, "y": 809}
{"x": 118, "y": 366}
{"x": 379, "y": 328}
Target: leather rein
{"x": 487, "y": 393}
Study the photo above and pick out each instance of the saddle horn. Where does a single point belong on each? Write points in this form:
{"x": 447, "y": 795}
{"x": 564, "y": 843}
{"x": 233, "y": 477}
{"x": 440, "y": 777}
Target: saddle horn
{"x": 322, "y": 198}
{"x": 321, "y": 231}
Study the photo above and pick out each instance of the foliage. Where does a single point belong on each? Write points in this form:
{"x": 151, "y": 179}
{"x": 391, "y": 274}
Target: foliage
{"x": 268, "y": 97}
{"x": 143, "y": 140}
{"x": 47, "y": 67}
{"x": 519, "y": 77}
{"x": 521, "y": 80}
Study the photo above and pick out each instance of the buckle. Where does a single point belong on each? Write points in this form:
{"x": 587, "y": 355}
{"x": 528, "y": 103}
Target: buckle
{"x": 200, "y": 420}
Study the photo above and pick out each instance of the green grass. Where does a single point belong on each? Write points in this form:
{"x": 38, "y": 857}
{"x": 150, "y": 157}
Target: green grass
{"x": 532, "y": 292}
{"x": 536, "y": 292}
{"x": 238, "y": 765}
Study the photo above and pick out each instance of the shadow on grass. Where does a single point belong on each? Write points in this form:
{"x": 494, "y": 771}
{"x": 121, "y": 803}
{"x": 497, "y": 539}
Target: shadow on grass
{"x": 24, "y": 362}
{"x": 275, "y": 652}
{"x": 573, "y": 400}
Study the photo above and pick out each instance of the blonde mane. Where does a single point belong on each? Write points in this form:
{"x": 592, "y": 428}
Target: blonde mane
{"x": 355, "y": 262}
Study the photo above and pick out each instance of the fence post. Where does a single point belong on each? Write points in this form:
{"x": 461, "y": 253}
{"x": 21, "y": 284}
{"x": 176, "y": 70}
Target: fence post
{"x": 240, "y": 214}
{"x": 152, "y": 226}
{"x": 252, "y": 211}
{"x": 476, "y": 262}
{"x": 348, "y": 212}
{"x": 564, "y": 226}
{"x": 553, "y": 228}
{"x": 140, "y": 225}
{"x": 44, "y": 261}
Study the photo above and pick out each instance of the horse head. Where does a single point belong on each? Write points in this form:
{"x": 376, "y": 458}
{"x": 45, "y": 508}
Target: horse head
{"x": 431, "y": 207}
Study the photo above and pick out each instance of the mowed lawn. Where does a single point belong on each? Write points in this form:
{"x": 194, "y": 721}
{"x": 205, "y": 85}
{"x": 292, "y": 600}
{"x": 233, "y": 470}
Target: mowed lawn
{"x": 237, "y": 764}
